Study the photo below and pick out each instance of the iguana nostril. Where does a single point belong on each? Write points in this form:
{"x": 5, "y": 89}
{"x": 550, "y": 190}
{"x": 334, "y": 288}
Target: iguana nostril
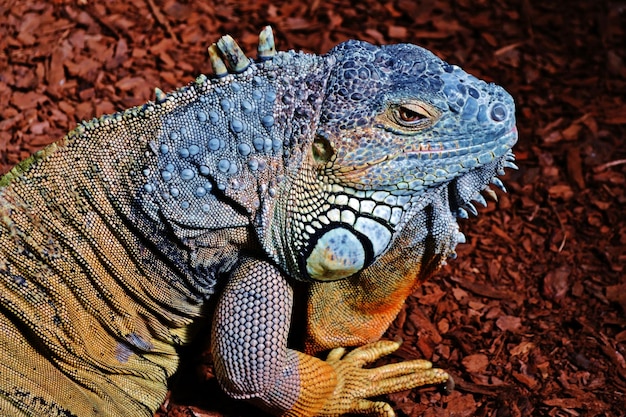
{"x": 498, "y": 112}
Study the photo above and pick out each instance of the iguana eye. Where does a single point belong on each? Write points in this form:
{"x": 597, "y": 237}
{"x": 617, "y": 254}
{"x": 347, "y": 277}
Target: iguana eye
{"x": 408, "y": 115}
{"x": 411, "y": 117}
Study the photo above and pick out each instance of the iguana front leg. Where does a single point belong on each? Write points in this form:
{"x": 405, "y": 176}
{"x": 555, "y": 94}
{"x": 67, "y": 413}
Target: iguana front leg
{"x": 249, "y": 345}
{"x": 252, "y": 361}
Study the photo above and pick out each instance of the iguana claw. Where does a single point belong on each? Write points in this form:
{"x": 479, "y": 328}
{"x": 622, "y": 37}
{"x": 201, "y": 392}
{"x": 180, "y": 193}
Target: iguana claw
{"x": 355, "y": 384}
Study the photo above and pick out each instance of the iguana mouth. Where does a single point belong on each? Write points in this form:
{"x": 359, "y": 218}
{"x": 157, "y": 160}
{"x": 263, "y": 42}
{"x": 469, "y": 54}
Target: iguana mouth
{"x": 464, "y": 190}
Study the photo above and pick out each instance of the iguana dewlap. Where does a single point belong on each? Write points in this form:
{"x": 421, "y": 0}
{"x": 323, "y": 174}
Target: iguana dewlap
{"x": 345, "y": 171}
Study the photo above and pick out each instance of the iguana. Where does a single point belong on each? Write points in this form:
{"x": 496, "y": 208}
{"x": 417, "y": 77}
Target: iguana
{"x": 345, "y": 172}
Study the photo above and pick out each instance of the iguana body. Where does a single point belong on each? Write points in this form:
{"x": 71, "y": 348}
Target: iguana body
{"x": 345, "y": 171}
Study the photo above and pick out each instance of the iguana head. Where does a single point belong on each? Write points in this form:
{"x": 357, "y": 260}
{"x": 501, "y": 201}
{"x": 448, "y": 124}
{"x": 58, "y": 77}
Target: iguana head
{"x": 396, "y": 124}
{"x": 366, "y": 136}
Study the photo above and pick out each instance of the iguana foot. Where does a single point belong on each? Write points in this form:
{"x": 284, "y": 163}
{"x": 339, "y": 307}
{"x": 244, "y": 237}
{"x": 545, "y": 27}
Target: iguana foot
{"x": 355, "y": 384}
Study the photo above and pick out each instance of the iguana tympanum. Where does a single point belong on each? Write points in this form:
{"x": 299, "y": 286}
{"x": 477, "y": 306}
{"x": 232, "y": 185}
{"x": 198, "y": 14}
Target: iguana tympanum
{"x": 345, "y": 171}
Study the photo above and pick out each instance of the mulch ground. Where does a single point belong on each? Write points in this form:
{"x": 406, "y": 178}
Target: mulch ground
{"x": 530, "y": 319}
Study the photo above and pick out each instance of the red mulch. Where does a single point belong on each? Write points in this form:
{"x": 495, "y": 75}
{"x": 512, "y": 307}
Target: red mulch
{"x": 530, "y": 319}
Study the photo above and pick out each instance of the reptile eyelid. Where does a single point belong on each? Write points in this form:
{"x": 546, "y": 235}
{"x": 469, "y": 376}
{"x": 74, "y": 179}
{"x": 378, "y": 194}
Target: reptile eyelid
{"x": 424, "y": 117}
{"x": 409, "y": 115}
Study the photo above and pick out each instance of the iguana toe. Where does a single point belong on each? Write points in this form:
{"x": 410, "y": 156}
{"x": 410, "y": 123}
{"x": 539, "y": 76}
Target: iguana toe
{"x": 356, "y": 384}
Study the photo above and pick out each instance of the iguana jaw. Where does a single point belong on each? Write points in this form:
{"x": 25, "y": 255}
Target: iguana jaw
{"x": 411, "y": 166}
{"x": 354, "y": 227}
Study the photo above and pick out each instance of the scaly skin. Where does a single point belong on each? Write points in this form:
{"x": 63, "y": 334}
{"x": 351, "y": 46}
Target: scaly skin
{"x": 345, "y": 171}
